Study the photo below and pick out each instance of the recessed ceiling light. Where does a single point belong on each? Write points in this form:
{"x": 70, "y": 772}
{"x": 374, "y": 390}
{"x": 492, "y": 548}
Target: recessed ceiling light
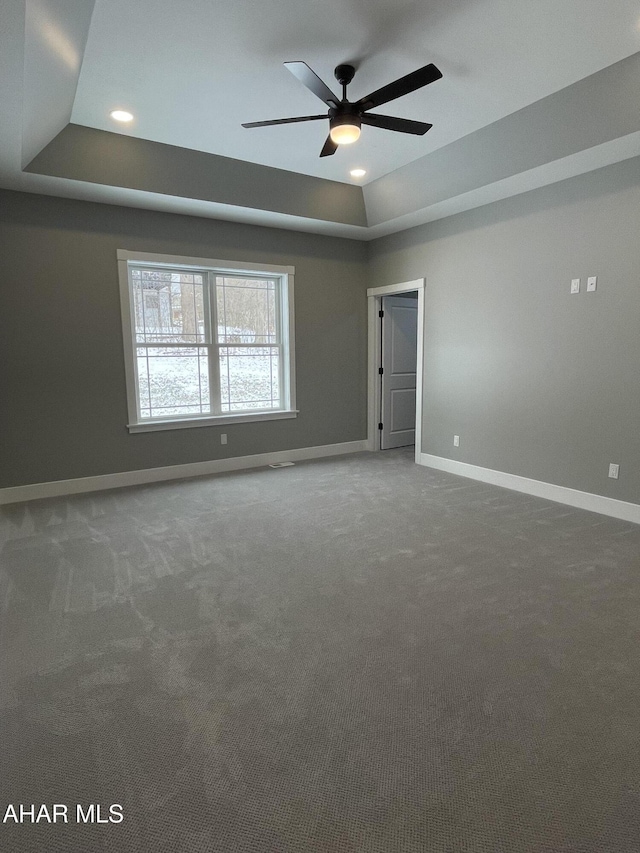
{"x": 358, "y": 173}
{"x": 121, "y": 115}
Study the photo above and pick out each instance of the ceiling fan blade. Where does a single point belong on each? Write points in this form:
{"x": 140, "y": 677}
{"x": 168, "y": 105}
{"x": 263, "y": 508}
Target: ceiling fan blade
{"x": 282, "y": 121}
{"x": 409, "y": 83}
{"x": 311, "y": 80}
{"x": 403, "y": 125}
{"x": 328, "y": 148}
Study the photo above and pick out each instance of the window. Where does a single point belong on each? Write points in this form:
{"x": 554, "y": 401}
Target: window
{"x": 205, "y": 341}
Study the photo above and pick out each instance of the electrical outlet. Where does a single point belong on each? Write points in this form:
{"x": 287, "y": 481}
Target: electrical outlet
{"x": 223, "y": 438}
{"x": 614, "y": 471}
{"x": 592, "y": 283}
{"x": 575, "y": 285}
{"x": 456, "y": 441}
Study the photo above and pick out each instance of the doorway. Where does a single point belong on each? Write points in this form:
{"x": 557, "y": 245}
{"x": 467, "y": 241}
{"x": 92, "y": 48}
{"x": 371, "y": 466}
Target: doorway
{"x": 396, "y": 329}
{"x": 398, "y": 362}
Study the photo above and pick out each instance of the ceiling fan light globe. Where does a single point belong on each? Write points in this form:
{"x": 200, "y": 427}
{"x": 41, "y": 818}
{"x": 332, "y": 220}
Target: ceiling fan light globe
{"x": 345, "y": 134}
{"x": 344, "y": 129}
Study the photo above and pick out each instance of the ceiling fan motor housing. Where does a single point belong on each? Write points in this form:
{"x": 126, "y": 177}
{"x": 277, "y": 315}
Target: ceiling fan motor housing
{"x": 345, "y": 109}
{"x": 349, "y": 116}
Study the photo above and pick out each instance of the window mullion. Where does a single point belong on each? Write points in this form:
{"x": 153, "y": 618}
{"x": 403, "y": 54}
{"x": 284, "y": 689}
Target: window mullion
{"x": 212, "y": 348}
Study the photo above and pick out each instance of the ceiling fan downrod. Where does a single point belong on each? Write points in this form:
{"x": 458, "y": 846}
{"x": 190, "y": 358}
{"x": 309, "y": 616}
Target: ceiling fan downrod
{"x": 344, "y": 75}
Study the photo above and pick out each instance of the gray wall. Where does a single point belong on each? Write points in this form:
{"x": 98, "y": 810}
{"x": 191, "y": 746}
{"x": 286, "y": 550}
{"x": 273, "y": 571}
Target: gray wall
{"x": 62, "y": 389}
{"x": 535, "y": 381}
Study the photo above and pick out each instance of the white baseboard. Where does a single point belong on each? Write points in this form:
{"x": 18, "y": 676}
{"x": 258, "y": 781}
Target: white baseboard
{"x": 35, "y": 491}
{"x": 560, "y": 494}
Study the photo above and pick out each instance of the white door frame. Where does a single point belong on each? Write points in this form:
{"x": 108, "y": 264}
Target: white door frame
{"x": 374, "y": 299}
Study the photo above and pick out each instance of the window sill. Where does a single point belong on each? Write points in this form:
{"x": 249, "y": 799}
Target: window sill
{"x": 211, "y": 420}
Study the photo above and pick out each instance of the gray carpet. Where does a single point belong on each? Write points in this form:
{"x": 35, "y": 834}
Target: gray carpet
{"x": 354, "y": 654}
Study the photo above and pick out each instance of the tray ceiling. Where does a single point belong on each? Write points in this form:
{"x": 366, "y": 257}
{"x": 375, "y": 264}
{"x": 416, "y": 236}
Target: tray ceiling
{"x": 531, "y": 93}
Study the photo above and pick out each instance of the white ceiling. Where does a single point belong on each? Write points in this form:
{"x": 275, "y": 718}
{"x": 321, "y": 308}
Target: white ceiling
{"x": 192, "y": 71}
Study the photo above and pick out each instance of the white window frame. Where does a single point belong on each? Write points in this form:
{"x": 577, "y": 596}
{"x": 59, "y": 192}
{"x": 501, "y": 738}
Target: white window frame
{"x": 127, "y": 259}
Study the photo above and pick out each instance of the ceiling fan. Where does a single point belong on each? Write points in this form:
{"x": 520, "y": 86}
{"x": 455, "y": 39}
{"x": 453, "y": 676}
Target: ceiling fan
{"x": 345, "y": 117}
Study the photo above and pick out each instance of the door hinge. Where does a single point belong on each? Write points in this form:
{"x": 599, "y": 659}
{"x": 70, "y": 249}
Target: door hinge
{"x": 380, "y": 425}
{"x": 380, "y": 313}
{"x": 381, "y": 370}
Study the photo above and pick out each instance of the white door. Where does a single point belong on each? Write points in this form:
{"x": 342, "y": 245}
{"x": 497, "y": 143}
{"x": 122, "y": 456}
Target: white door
{"x": 399, "y": 348}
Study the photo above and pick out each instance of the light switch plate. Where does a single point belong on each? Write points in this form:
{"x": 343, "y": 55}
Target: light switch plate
{"x": 575, "y": 285}
{"x": 592, "y": 282}
{"x": 614, "y": 471}
{"x": 456, "y": 441}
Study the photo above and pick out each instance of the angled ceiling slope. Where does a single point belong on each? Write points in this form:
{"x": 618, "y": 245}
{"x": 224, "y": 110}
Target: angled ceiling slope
{"x": 589, "y": 124}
